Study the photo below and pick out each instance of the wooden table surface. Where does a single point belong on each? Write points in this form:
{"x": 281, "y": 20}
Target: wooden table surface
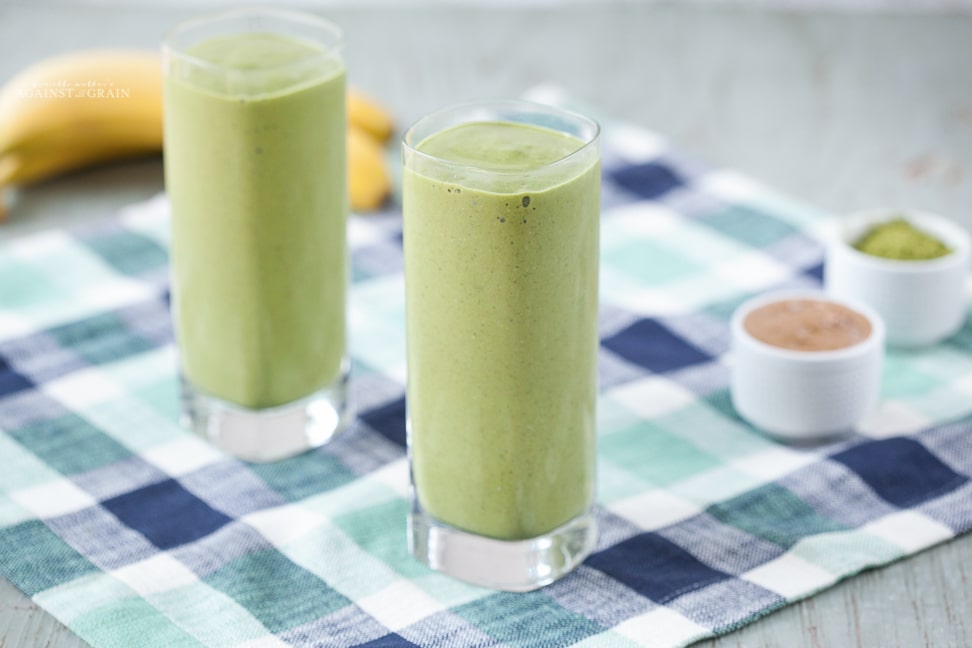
{"x": 843, "y": 111}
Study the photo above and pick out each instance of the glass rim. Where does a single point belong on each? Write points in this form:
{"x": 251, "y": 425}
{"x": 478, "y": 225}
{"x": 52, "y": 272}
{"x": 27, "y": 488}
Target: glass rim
{"x": 295, "y": 16}
{"x": 524, "y": 106}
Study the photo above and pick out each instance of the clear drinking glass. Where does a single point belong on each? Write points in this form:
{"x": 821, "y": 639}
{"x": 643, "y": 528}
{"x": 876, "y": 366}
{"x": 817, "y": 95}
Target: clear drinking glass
{"x": 256, "y": 174}
{"x": 501, "y": 213}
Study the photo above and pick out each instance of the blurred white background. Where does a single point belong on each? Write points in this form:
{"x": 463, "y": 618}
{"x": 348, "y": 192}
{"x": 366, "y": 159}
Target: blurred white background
{"x": 917, "y": 6}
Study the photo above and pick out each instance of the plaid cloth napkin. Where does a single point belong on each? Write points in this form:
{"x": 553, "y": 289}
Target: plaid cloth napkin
{"x": 135, "y": 533}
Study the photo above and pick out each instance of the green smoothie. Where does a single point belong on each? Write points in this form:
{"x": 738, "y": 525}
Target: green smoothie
{"x": 255, "y": 171}
{"x": 501, "y": 294}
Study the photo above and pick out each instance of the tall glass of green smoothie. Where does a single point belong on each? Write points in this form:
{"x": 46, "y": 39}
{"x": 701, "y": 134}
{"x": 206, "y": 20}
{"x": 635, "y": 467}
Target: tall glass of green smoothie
{"x": 501, "y": 213}
{"x": 256, "y": 175}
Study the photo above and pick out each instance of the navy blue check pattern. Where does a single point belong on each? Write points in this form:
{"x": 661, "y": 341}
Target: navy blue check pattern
{"x": 133, "y": 532}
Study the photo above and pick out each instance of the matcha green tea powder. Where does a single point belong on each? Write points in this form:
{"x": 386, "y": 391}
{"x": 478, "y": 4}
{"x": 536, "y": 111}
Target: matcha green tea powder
{"x": 899, "y": 239}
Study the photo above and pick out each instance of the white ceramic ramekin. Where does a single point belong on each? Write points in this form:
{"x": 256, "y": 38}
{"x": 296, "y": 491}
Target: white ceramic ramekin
{"x": 921, "y": 302}
{"x": 805, "y": 395}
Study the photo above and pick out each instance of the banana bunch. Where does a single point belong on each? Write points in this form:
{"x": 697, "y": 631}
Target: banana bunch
{"x": 77, "y": 110}
{"x": 85, "y": 108}
{"x": 370, "y": 127}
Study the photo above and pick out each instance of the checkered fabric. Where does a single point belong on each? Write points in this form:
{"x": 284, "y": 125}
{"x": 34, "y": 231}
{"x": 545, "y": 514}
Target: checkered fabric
{"x": 133, "y": 532}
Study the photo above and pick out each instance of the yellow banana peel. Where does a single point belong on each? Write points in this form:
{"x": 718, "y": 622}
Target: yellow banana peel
{"x": 368, "y": 181}
{"x": 365, "y": 113}
{"x": 79, "y": 109}
{"x": 85, "y": 108}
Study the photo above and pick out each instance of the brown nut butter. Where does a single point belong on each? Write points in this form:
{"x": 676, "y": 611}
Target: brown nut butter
{"x": 807, "y": 325}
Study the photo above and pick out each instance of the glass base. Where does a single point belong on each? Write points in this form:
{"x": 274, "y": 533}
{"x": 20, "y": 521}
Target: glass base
{"x": 270, "y": 434}
{"x": 509, "y": 565}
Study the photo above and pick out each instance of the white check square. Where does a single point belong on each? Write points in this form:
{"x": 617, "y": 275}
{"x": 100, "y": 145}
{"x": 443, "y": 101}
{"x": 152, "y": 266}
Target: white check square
{"x": 662, "y": 627}
{"x": 909, "y": 530}
{"x": 655, "y": 509}
{"x": 394, "y": 474}
{"x": 182, "y": 455}
{"x": 752, "y": 272}
{"x": 893, "y": 418}
{"x": 269, "y": 641}
{"x": 53, "y": 499}
{"x": 12, "y": 326}
{"x": 773, "y": 463}
{"x": 652, "y": 396}
{"x": 160, "y": 573}
{"x": 651, "y": 302}
{"x": 790, "y": 576}
{"x": 730, "y": 186}
{"x": 284, "y": 524}
{"x": 84, "y": 389}
{"x": 634, "y": 144}
{"x": 399, "y": 605}
{"x": 361, "y": 233}
{"x": 640, "y": 220}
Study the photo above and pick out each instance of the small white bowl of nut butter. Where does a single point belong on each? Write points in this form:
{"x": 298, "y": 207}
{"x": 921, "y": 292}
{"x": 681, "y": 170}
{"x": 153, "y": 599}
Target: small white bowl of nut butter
{"x": 911, "y": 267}
{"x": 805, "y": 365}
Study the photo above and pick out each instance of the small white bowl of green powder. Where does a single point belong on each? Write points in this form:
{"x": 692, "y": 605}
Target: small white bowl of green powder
{"x": 911, "y": 267}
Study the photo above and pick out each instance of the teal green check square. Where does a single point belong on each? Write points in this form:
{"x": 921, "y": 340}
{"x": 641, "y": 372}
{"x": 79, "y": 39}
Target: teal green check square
{"x": 379, "y": 530}
{"x": 151, "y": 378}
{"x": 527, "y": 620}
{"x": 798, "y": 214}
{"x": 707, "y": 428}
{"x": 723, "y": 309}
{"x": 651, "y": 262}
{"x": 162, "y": 396}
{"x": 899, "y": 378}
{"x": 22, "y": 468}
{"x": 749, "y": 225}
{"x": 359, "y": 274}
{"x": 847, "y": 552}
{"x": 773, "y": 513}
{"x": 616, "y": 483}
{"x": 962, "y": 339}
{"x": 34, "y": 558}
{"x": 135, "y": 423}
{"x": 941, "y": 403}
{"x": 70, "y": 444}
{"x": 73, "y": 599}
{"x": 29, "y": 286}
{"x": 100, "y": 339}
{"x": 130, "y": 622}
{"x": 195, "y": 606}
{"x": 305, "y": 475}
{"x": 128, "y": 252}
{"x": 55, "y": 278}
{"x": 654, "y": 455}
{"x": 721, "y": 401}
{"x": 280, "y": 594}
{"x": 942, "y": 362}
{"x": 12, "y": 513}
{"x": 360, "y": 369}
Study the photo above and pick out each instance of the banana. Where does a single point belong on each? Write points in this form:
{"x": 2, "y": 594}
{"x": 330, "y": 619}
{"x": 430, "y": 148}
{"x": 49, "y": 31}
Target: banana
{"x": 369, "y": 116}
{"x": 79, "y": 109}
{"x": 85, "y": 108}
{"x": 370, "y": 126}
{"x": 368, "y": 180}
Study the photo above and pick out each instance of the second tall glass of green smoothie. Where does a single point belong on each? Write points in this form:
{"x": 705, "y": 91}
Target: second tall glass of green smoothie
{"x": 256, "y": 174}
{"x": 501, "y": 209}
